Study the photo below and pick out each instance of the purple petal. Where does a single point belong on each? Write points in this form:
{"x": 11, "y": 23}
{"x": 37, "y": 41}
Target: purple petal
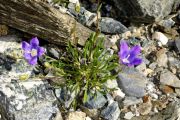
{"x": 135, "y": 50}
{"x": 131, "y": 57}
{"x": 33, "y": 61}
{"x": 26, "y": 46}
{"x": 124, "y": 49}
{"x": 34, "y": 42}
{"x": 27, "y": 56}
{"x": 137, "y": 61}
{"x": 40, "y": 51}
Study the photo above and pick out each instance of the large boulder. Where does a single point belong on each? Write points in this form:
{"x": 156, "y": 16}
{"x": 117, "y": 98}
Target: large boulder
{"x": 146, "y": 11}
{"x": 22, "y": 99}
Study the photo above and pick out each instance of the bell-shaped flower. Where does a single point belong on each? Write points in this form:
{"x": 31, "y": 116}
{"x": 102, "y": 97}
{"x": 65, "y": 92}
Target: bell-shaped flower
{"x": 32, "y": 51}
{"x": 129, "y": 56}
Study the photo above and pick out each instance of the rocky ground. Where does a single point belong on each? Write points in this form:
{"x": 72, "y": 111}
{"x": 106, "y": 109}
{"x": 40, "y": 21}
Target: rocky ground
{"x": 149, "y": 91}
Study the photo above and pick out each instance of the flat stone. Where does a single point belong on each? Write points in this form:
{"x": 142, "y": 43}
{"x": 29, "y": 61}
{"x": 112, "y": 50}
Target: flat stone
{"x": 109, "y": 25}
{"x": 168, "y": 78}
{"x": 95, "y": 102}
{"x": 111, "y": 112}
{"x": 132, "y": 82}
{"x": 146, "y": 11}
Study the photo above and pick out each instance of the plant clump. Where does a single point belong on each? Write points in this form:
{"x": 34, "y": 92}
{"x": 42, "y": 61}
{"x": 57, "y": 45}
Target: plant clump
{"x": 86, "y": 69}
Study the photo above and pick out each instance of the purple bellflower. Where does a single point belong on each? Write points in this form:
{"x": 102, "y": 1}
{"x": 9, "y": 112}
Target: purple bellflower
{"x": 32, "y": 51}
{"x": 128, "y": 56}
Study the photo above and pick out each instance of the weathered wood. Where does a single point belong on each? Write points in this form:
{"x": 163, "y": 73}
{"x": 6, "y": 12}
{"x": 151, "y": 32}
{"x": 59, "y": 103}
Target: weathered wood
{"x": 40, "y": 19}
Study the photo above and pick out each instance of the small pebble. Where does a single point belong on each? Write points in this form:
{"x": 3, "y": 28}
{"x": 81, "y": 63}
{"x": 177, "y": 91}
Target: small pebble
{"x": 160, "y": 37}
{"x": 162, "y": 58}
{"x": 118, "y": 93}
{"x": 129, "y": 115}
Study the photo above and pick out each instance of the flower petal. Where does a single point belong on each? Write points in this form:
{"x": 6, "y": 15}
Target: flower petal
{"x": 124, "y": 49}
{"x": 34, "y": 42}
{"x": 135, "y": 50}
{"x": 137, "y": 61}
{"x": 27, "y": 56}
{"x": 33, "y": 61}
{"x": 131, "y": 57}
{"x": 40, "y": 51}
{"x": 26, "y": 46}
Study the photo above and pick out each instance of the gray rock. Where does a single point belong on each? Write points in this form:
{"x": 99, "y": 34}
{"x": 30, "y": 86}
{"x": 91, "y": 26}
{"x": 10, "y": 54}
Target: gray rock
{"x": 11, "y": 60}
{"x": 177, "y": 42}
{"x": 172, "y": 112}
{"x": 84, "y": 16}
{"x": 161, "y": 38}
{"x": 168, "y": 78}
{"x": 65, "y": 96}
{"x": 111, "y": 112}
{"x": 131, "y": 101}
{"x": 54, "y": 53}
{"x": 173, "y": 63}
{"x": 29, "y": 100}
{"x": 132, "y": 82}
{"x": 95, "y": 102}
{"x": 109, "y": 99}
{"x": 162, "y": 58}
{"x": 141, "y": 68}
{"x": 167, "y": 23}
{"x": 109, "y": 25}
{"x": 4, "y": 108}
{"x": 153, "y": 65}
{"x": 146, "y": 11}
{"x": 6, "y": 62}
{"x": 177, "y": 90}
{"x": 9, "y": 41}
